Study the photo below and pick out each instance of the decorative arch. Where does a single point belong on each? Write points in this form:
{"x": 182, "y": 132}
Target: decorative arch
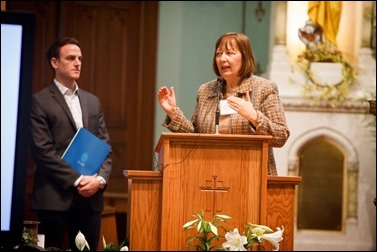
{"x": 351, "y": 161}
{"x": 339, "y": 140}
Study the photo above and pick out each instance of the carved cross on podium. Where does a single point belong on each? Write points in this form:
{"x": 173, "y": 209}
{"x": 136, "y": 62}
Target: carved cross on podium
{"x": 214, "y": 188}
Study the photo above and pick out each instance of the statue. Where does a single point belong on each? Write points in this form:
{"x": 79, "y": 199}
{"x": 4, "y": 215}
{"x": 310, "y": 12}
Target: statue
{"x": 326, "y": 14}
{"x": 310, "y": 34}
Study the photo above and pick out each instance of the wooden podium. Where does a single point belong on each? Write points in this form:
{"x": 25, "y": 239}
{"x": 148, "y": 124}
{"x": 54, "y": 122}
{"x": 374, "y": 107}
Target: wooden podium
{"x": 224, "y": 174}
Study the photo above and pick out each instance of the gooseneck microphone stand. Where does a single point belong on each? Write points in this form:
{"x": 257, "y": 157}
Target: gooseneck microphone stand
{"x": 217, "y": 119}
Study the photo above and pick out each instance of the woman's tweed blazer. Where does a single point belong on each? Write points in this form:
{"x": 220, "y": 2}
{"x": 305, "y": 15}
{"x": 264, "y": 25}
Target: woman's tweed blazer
{"x": 265, "y": 99}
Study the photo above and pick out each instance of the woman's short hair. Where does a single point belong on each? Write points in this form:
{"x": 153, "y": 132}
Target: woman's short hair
{"x": 242, "y": 42}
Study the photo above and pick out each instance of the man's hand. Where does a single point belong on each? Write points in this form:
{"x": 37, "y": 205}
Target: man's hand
{"x": 88, "y": 186}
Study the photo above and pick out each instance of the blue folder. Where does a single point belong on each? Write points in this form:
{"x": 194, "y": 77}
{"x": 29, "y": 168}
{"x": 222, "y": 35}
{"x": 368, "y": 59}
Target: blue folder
{"x": 86, "y": 152}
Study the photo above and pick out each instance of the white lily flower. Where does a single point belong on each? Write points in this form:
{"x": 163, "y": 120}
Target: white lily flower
{"x": 263, "y": 227}
{"x": 258, "y": 233}
{"x": 124, "y": 248}
{"x": 81, "y": 242}
{"x": 274, "y": 238}
{"x": 103, "y": 241}
{"x": 235, "y": 242}
{"x": 223, "y": 216}
{"x": 199, "y": 226}
{"x": 213, "y": 228}
{"x": 189, "y": 223}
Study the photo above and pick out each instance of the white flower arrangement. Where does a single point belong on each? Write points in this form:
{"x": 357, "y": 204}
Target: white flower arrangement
{"x": 83, "y": 245}
{"x": 207, "y": 232}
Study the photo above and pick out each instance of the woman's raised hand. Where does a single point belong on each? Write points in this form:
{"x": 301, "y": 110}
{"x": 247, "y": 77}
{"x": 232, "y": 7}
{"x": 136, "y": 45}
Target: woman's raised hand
{"x": 166, "y": 98}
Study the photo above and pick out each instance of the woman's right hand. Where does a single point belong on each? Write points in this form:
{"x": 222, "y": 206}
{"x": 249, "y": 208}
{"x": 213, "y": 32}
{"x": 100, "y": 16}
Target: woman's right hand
{"x": 166, "y": 98}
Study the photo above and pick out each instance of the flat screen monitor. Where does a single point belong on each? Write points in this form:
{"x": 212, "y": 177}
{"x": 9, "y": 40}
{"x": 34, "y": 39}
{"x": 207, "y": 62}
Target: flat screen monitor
{"x": 17, "y": 48}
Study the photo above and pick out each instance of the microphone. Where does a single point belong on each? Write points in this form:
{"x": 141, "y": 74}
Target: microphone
{"x": 217, "y": 119}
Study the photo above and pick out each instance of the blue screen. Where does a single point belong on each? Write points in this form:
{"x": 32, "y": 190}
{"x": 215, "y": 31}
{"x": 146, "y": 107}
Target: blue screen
{"x": 17, "y": 48}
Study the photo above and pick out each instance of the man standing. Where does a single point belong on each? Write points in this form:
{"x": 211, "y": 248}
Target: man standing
{"x": 64, "y": 199}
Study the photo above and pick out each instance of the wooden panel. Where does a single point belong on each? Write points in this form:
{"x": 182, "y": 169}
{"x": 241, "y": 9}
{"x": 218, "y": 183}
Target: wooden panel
{"x": 116, "y": 200}
{"x": 281, "y": 208}
{"x": 144, "y": 211}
